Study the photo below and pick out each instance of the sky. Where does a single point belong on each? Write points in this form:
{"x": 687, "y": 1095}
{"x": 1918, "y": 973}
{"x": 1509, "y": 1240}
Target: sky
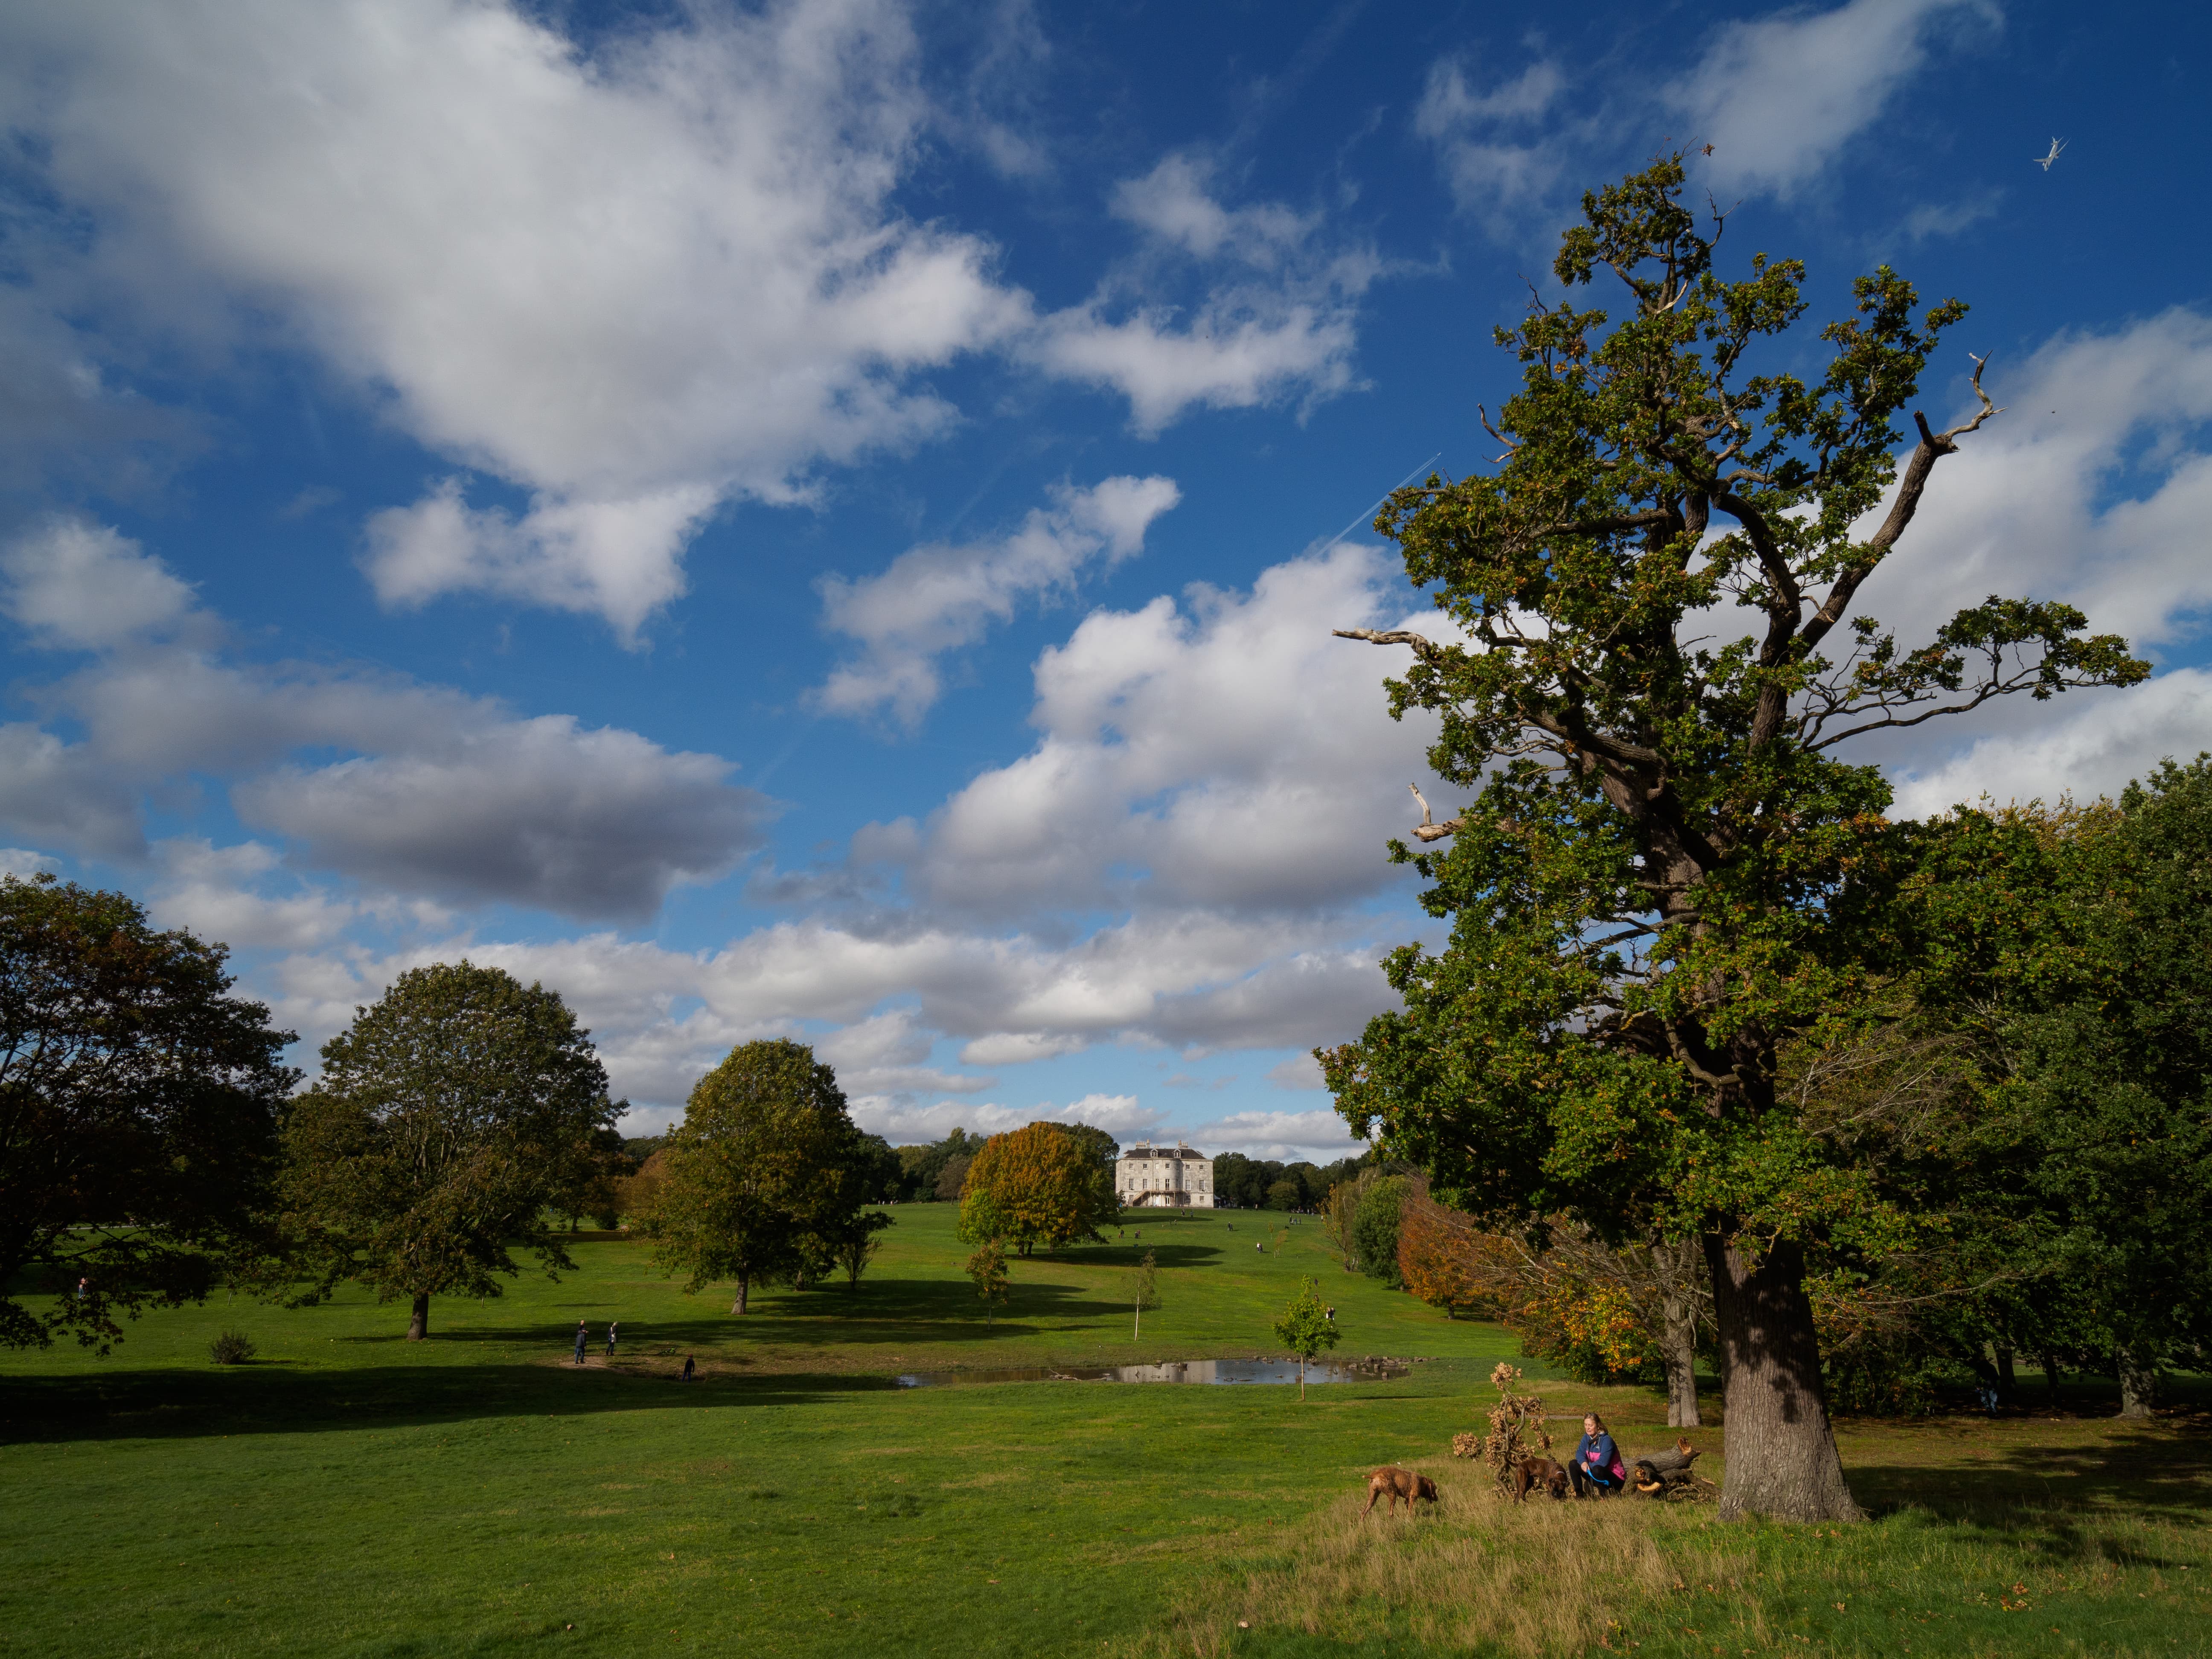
{"x": 825, "y": 519}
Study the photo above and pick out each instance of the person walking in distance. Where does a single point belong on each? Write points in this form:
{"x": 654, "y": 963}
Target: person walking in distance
{"x": 610, "y": 1339}
{"x": 691, "y": 1370}
{"x": 581, "y": 1340}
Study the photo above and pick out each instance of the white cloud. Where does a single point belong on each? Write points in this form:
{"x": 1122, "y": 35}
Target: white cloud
{"x": 905, "y": 1124}
{"x": 210, "y": 890}
{"x": 440, "y": 794}
{"x": 1276, "y": 316}
{"x": 2092, "y": 487}
{"x": 1780, "y": 97}
{"x": 936, "y": 598}
{"x": 1490, "y": 172}
{"x": 630, "y": 285}
{"x": 621, "y": 560}
{"x": 21, "y": 863}
{"x": 2096, "y": 746}
{"x": 1285, "y": 1135}
{"x": 74, "y": 584}
{"x": 1228, "y": 755}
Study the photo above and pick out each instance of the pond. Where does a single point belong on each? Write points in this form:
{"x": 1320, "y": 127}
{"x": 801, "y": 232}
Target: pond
{"x": 1173, "y": 1370}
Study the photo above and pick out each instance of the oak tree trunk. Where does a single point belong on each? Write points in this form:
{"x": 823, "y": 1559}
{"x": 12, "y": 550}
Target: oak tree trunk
{"x": 2007, "y": 1379}
{"x": 1781, "y": 1457}
{"x": 2050, "y": 1378}
{"x": 418, "y": 1318}
{"x": 744, "y": 1285}
{"x": 2138, "y": 1383}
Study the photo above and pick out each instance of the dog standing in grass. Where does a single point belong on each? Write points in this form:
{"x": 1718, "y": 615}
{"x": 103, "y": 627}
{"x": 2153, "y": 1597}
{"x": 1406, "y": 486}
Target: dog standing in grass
{"x": 1396, "y": 1483}
{"x": 1531, "y": 1472}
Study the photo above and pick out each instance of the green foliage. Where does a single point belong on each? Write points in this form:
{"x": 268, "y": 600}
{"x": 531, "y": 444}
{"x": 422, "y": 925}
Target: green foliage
{"x": 924, "y": 1167}
{"x": 988, "y": 1267}
{"x": 1041, "y": 1184}
{"x": 1249, "y": 1183}
{"x": 766, "y": 1178}
{"x": 230, "y": 1348}
{"x": 1374, "y": 1230}
{"x": 1665, "y": 875}
{"x": 138, "y": 1112}
{"x": 448, "y": 1119}
{"x": 1305, "y": 1328}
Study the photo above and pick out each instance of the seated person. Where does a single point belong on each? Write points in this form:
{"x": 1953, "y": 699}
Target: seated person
{"x": 1596, "y": 1462}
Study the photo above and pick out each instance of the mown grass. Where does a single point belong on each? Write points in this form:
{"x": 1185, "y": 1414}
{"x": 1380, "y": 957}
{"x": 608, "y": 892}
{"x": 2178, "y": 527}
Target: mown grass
{"x": 350, "y": 1493}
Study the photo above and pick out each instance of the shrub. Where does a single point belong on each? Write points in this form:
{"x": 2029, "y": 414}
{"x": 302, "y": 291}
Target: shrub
{"x": 1374, "y": 1230}
{"x": 231, "y": 1348}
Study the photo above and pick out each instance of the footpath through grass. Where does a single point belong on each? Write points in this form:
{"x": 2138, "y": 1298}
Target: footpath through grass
{"x": 350, "y": 1493}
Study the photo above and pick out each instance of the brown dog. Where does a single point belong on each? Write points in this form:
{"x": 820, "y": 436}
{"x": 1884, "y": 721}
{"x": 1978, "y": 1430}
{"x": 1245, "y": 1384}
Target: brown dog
{"x": 1396, "y": 1483}
{"x": 1545, "y": 1471}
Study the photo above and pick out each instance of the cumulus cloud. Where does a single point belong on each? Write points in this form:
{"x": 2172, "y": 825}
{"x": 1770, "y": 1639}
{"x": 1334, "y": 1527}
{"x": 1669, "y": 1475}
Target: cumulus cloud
{"x": 1275, "y": 314}
{"x": 1780, "y": 97}
{"x": 1226, "y": 753}
{"x": 438, "y": 794}
{"x": 628, "y": 284}
{"x": 669, "y": 271}
{"x": 2093, "y": 487}
{"x": 1497, "y": 150}
{"x": 73, "y": 583}
{"x": 2095, "y": 747}
{"x": 936, "y": 598}
{"x": 1280, "y": 1135}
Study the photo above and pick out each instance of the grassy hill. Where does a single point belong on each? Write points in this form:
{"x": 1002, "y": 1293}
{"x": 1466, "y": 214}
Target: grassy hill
{"x": 350, "y": 1493}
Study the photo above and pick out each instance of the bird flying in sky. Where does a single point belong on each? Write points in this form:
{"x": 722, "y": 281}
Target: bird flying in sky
{"x": 2044, "y": 161}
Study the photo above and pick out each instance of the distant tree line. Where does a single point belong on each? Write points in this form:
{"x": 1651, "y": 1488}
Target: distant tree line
{"x": 1262, "y": 1183}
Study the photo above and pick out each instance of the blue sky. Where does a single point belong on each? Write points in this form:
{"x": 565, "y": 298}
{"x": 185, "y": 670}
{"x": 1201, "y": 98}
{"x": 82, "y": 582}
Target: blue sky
{"x": 826, "y": 518}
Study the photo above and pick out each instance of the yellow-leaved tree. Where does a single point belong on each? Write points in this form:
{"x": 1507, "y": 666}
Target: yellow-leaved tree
{"x": 1045, "y": 1184}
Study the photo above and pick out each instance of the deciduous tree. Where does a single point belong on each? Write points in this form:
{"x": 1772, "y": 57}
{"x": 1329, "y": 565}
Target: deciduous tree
{"x": 1305, "y": 1328}
{"x": 988, "y": 1267}
{"x": 1666, "y": 871}
{"x": 765, "y": 1176}
{"x": 138, "y": 1112}
{"x": 1037, "y": 1185}
{"x": 449, "y": 1117}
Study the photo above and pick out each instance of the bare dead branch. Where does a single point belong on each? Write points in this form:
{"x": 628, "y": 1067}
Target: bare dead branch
{"x": 1427, "y": 649}
{"x": 1428, "y": 828}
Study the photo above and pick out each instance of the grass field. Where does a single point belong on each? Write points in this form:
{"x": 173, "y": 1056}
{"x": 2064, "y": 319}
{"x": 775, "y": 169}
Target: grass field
{"x": 350, "y": 1493}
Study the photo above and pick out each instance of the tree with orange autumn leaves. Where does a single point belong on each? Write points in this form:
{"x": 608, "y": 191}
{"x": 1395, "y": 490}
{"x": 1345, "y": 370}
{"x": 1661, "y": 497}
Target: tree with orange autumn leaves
{"x": 1574, "y": 1295}
{"x": 1039, "y": 1185}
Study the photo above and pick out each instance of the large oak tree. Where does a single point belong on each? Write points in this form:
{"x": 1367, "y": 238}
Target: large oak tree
{"x": 1666, "y": 871}
{"x": 138, "y": 1111}
{"x": 767, "y": 1176}
{"x": 449, "y": 1120}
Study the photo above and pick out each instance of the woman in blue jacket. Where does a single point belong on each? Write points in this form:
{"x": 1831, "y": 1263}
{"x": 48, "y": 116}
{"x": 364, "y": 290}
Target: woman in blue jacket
{"x": 1596, "y": 1462}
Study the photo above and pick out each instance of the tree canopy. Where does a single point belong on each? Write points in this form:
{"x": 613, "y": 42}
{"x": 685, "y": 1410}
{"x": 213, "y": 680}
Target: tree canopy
{"x": 1044, "y": 1184}
{"x": 767, "y": 1178}
{"x": 138, "y": 1111}
{"x": 1667, "y": 872}
{"x": 450, "y": 1120}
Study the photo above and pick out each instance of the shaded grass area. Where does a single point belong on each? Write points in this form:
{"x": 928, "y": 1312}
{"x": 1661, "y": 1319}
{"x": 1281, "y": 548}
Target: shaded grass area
{"x": 350, "y": 1493}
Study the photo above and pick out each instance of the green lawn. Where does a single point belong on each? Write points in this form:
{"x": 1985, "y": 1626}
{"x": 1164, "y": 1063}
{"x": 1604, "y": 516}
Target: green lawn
{"x": 351, "y": 1493}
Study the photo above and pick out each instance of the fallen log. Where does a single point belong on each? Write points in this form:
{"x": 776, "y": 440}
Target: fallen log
{"x": 1669, "y": 1473}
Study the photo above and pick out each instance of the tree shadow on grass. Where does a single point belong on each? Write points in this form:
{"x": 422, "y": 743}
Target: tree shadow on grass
{"x": 891, "y": 1313}
{"x": 274, "y": 1399}
{"x": 2060, "y": 1499}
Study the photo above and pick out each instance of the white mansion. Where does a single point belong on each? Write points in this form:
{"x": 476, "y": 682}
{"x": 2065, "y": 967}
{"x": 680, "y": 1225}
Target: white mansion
{"x": 1163, "y": 1178}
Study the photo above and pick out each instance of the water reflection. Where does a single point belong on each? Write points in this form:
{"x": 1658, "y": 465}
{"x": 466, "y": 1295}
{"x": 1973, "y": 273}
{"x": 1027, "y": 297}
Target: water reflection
{"x": 1173, "y": 1370}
